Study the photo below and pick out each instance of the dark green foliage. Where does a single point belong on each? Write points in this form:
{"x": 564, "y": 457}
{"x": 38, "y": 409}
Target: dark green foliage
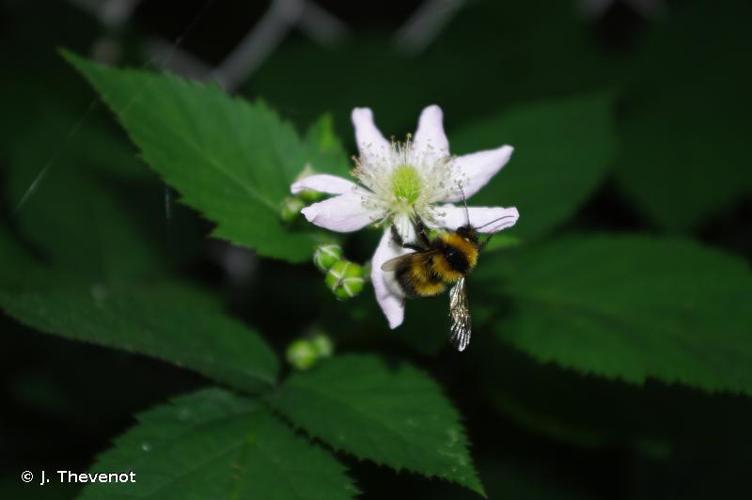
{"x": 630, "y": 307}
{"x": 563, "y": 149}
{"x": 71, "y": 212}
{"x": 685, "y": 153}
{"x": 229, "y": 158}
{"x": 609, "y": 358}
{"x": 213, "y": 444}
{"x": 394, "y": 416}
{"x": 172, "y": 323}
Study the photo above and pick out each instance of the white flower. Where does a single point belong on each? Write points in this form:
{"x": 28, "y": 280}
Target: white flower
{"x": 398, "y": 180}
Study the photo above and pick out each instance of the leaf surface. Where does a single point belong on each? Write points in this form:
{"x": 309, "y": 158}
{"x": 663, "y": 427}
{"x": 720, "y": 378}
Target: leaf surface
{"x": 685, "y": 153}
{"x": 230, "y": 159}
{"x": 174, "y": 323}
{"x": 392, "y": 415}
{"x": 213, "y": 444}
{"x": 68, "y": 211}
{"x": 628, "y": 307}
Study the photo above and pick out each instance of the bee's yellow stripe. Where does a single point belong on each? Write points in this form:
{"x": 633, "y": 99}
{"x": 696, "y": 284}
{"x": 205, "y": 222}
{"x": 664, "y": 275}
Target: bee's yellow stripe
{"x": 428, "y": 289}
{"x": 446, "y": 271}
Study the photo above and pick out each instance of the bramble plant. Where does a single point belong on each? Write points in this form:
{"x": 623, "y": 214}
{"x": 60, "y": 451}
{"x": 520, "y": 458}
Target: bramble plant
{"x": 286, "y": 413}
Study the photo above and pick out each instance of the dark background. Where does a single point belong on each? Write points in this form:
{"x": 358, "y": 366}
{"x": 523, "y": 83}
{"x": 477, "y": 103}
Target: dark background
{"x": 681, "y": 74}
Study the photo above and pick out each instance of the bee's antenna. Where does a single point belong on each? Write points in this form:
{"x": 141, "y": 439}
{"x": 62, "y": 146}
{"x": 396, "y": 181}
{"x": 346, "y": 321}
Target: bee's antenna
{"x": 485, "y": 242}
{"x": 495, "y": 220}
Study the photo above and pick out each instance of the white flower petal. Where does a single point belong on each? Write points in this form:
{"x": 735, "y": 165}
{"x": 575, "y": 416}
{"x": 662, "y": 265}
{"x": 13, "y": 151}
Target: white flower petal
{"x": 484, "y": 219}
{"x": 430, "y": 141}
{"x": 474, "y": 170}
{"x": 343, "y": 213}
{"x": 371, "y": 143}
{"x": 387, "y": 292}
{"x": 323, "y": 183}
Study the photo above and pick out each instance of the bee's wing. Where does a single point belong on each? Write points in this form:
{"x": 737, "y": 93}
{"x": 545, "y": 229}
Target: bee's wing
{"x": 392, "y": 264}
{"x": 459, "y": 313}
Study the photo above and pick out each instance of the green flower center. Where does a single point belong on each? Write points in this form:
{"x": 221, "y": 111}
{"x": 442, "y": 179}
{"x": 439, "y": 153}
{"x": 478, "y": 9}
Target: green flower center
{"x": 406, "y": 184}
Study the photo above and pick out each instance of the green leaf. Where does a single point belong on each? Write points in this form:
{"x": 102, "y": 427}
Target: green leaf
{"x": 325, "y": 150}
{"x": 630, "y": 307}
{"x": 68, "y": 212}
{"x": 15, "y": 259}
{"x": 562, "y": 150}
{"x": 685, "y": 154}
{"x": 173, "y": 323}
{"x": 232, "y": 160}
{"x": 395, "y": 416}
{"x": 213, "y": 444}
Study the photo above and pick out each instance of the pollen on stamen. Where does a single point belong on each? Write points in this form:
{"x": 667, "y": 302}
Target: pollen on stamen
{"x": 402, "y": 181}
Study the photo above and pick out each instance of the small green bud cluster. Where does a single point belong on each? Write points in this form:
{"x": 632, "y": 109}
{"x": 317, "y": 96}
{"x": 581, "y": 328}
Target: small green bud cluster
{"x": 303, "y": 353}
{"x": 325, "y": 256}
{"x": 344, "y": 278}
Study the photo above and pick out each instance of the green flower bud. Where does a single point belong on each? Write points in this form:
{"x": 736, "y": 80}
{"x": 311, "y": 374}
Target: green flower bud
{"x": 308, "y": 196}
{"x": 323, "y": 345}
{"x": 326, "y": 256}
{"x": 301, "y": 354}
{"x": 291, "y": 207}
{"x": 345, "y": 279}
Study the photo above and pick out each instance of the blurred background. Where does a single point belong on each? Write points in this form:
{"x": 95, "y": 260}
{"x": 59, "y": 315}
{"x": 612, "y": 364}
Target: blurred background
{"x": 678, "y": 76}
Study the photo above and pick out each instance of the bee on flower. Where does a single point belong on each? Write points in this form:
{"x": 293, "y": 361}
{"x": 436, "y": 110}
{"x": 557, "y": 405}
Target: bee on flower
{"x": 408, "y": 188}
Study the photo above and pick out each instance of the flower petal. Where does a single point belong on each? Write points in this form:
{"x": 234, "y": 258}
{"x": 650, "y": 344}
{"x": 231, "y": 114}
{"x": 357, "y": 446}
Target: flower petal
{"x": 371, "y": 143}
{"x": 323, "y": 183}
{"x": 430, "y": 141}
{"x": 343, "y": 213}
{"x": 484, "y": 219}
{"x": 387, "y": 291}
{"x": 476, "y": 169}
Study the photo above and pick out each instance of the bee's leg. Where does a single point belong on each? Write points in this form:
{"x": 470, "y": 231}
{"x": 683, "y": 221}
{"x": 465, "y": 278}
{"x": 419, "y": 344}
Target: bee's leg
{"x": 397, "y": 238}
{"x": 485, "y": 242}
{"x": 421, "y": 232}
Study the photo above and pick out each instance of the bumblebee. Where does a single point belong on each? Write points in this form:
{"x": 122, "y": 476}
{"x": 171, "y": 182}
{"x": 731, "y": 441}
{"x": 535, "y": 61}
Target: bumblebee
{"x": 436, "y": 264}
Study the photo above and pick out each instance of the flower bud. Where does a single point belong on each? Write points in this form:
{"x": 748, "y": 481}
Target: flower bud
{"x": 325, "y": 256}
{"x": 323, "y": 345}
{"x": 345, "y": 279}
{"x": 291, "y": 207}
{"x": 308, "y": 195}
{"x": 301, "y": 354}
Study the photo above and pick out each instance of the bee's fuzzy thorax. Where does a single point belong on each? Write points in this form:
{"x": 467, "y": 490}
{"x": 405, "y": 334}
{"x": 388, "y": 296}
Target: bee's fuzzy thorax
{"x": 463, "y": 246}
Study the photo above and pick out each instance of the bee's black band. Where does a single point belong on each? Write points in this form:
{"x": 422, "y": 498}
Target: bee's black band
{"x": 403, "y": 278}
{"x": 456, "y": 259}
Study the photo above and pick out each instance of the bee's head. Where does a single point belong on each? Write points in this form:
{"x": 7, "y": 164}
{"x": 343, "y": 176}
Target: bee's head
{"x": 469, "y": 233}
